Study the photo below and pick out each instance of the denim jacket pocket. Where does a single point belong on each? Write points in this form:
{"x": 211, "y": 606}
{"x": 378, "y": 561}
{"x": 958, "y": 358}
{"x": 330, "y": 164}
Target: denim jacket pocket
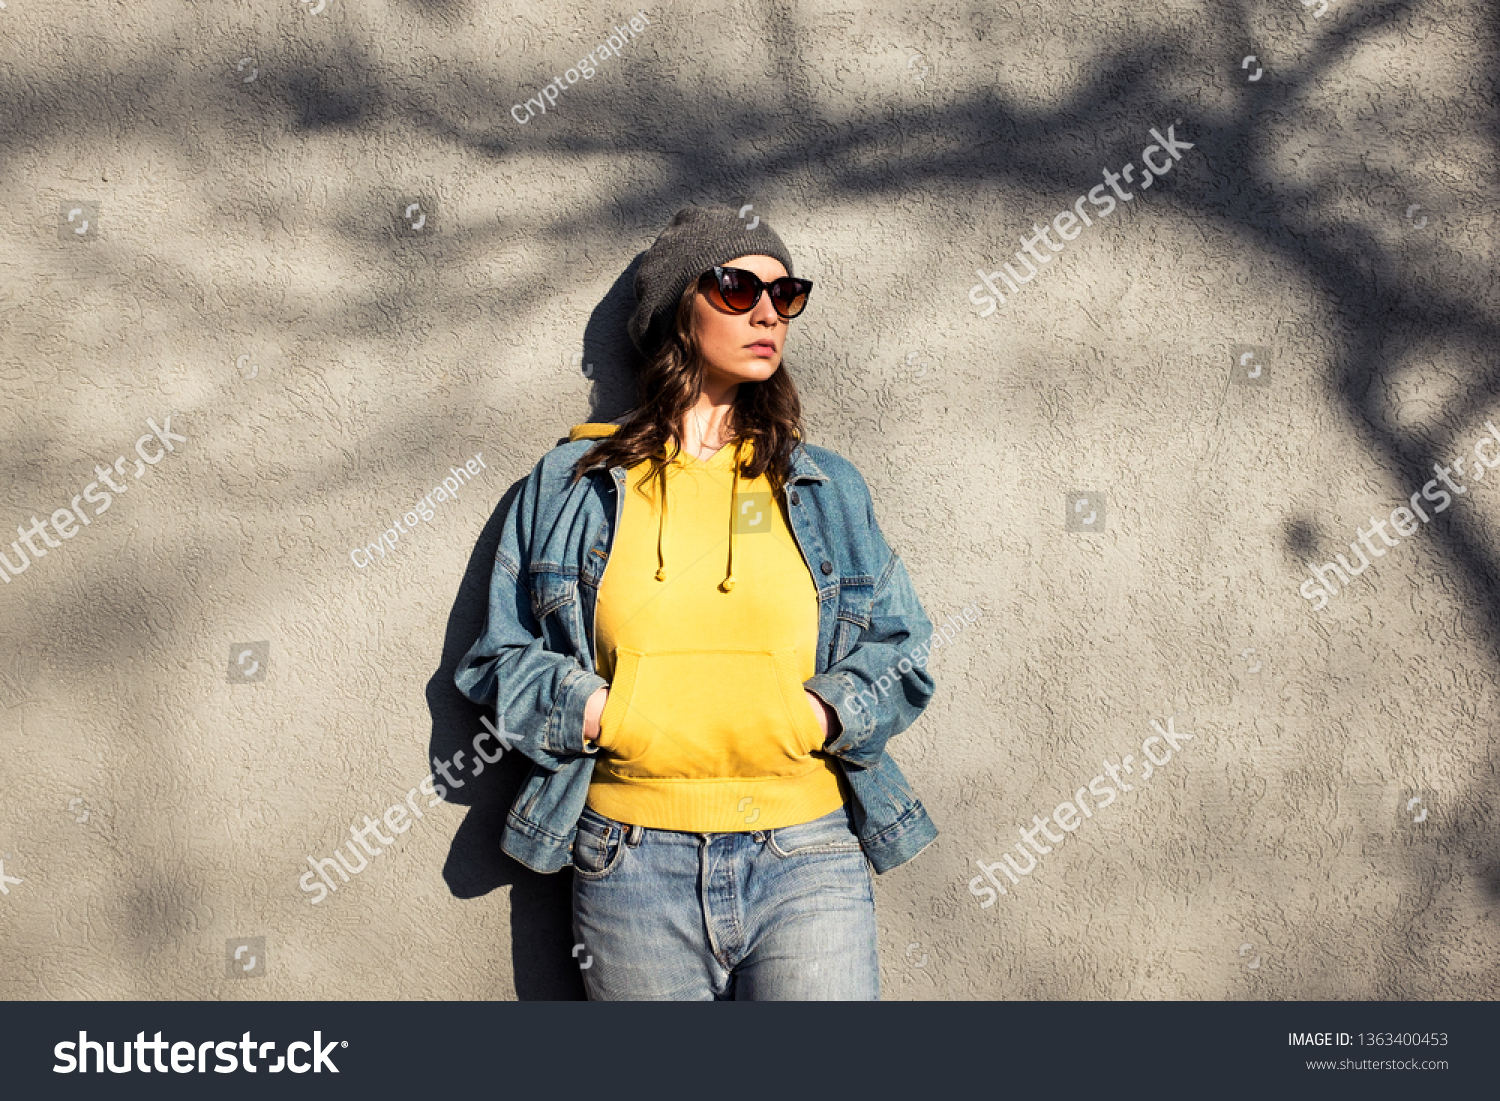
{"x": 853, "y": 616}
{"x": 554, "y": 604}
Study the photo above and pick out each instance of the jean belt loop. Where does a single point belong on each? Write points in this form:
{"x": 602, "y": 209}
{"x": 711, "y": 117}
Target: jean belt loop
{"x": 634, "y": 837}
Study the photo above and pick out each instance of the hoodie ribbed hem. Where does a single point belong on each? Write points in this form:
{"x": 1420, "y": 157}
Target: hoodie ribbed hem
{"x": 732, "y": 805}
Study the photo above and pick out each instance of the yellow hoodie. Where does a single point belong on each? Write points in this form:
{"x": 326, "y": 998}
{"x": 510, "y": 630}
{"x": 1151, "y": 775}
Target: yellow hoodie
{"x": 706, "y": 627}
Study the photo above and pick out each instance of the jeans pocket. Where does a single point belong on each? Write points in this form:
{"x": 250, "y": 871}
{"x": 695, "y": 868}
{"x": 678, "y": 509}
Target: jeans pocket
{"x": 598, "y": 845}
{"x": 832, "y": 833}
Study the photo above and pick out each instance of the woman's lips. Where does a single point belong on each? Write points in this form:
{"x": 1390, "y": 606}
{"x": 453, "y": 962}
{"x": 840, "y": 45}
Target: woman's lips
{"x": 765, "y": 351}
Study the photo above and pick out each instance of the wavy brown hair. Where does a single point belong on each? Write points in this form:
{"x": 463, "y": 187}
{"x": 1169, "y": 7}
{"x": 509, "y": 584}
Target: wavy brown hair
{"x": 668, "y": 385}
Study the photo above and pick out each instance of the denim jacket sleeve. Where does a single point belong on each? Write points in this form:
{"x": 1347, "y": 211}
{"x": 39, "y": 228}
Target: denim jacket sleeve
{"x": 538, "y": 694}
{"x": 873, "y": 698}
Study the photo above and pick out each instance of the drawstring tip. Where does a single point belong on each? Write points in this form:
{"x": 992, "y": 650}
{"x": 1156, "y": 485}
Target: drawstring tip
{"x": 661, "y": 574}
{"x": 727, "y": 584}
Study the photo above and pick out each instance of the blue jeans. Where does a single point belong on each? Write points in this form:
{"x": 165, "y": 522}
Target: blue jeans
{"x": 785, "y": 914}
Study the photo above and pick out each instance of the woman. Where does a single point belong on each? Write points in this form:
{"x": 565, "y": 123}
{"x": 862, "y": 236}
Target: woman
{"x": 708, "y": 714}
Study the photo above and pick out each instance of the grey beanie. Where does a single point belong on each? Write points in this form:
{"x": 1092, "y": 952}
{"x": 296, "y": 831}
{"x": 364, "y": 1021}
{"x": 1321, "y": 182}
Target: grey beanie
{"x": 699, "y": 238}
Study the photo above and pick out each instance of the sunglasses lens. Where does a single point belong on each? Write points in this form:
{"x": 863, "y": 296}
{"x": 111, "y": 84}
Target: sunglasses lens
{"x": 789, "y": 296}
{"x": 738, "y": 291}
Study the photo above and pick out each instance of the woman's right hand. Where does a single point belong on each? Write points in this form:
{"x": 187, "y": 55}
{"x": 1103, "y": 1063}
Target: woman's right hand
{"x": 592, "y": 711}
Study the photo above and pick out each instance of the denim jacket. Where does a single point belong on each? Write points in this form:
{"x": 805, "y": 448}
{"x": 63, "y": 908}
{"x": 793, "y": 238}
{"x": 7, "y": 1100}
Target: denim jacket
{"x": 535, "y": 664}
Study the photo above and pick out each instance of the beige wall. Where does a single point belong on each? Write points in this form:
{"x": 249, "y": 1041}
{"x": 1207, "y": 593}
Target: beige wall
{"x": 243, "y": 273}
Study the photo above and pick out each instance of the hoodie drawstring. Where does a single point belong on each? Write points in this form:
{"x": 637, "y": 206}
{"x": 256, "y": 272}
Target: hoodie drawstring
{"x": 661, "y": 528}
{"x": 734, "y": 485}
{"x": 727, "y": 585}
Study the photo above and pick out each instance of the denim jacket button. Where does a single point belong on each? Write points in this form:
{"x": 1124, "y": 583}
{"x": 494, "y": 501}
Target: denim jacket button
{"x": 796, "y": 498}
{"x": 826, "y": 567}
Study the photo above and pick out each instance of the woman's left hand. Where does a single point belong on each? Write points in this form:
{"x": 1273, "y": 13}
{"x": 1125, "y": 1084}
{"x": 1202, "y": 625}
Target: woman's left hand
{"x": 828, "y": 718}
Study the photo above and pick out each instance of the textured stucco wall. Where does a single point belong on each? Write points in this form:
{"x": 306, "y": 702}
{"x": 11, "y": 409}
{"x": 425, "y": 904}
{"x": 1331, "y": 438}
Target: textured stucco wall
{"x": 246, "y": 271}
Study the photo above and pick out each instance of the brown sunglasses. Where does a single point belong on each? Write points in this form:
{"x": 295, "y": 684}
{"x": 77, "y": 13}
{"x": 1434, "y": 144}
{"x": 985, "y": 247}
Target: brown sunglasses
{"x": 740, "y": 290}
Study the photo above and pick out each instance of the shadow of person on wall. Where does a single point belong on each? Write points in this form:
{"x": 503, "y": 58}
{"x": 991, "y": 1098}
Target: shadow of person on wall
{"x": 541, "y": 912}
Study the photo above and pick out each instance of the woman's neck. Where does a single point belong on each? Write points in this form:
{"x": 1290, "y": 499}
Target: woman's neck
{"x": 707, "y": 428}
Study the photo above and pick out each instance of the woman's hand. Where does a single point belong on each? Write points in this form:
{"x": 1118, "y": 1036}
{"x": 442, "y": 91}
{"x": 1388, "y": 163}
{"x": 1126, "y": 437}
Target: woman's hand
{"x": 828, "y": 718}
{"x": 592, "y": 710}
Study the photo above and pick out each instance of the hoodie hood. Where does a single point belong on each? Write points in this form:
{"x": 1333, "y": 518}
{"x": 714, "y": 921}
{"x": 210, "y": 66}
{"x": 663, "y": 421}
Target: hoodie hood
{"x": 743, "y": 451}
{"x": 591, "y": 430}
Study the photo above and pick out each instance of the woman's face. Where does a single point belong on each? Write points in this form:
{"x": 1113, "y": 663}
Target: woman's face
{"x": 740, "y": 347}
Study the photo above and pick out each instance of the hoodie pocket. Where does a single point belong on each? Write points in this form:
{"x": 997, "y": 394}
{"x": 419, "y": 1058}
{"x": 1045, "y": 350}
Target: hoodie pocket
{"x": 696, "y": 714}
